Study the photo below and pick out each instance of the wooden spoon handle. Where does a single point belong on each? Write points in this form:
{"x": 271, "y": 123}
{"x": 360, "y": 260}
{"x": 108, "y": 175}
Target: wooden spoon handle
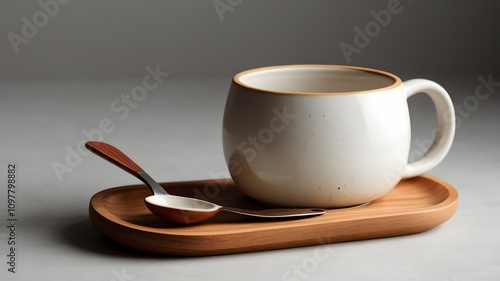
{"x": 113, "y": 155}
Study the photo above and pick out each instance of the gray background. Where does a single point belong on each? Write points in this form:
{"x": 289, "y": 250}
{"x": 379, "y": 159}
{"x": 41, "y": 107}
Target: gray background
{"x": 64, "y": 80}
{"x": 115, "y": 39}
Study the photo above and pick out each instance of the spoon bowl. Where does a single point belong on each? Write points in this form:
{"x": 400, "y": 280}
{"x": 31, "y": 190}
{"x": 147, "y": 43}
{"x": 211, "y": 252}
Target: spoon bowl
{"x": 181, "y": 210}
{"x": 178, "y": 209}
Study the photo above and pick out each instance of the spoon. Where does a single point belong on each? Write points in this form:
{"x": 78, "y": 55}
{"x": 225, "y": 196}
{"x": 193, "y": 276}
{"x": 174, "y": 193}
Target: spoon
{"x": 178, "y": 209}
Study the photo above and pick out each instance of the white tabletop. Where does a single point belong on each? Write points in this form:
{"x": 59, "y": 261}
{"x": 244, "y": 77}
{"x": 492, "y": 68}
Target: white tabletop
{"x": 174, "y": 132}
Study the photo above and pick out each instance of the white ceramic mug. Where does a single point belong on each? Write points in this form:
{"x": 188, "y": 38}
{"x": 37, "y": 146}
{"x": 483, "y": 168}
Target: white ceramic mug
{"x": 326, "y": 135}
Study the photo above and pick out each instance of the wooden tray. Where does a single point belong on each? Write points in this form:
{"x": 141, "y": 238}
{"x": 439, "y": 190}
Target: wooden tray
{"x": 415, "y": 205}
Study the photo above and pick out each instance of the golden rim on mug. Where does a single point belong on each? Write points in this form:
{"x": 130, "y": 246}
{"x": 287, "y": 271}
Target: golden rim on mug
{"x": 396, "y": 79}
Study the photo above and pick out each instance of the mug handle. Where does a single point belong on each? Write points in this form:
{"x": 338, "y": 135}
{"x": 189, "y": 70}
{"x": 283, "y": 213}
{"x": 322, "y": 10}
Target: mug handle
{"x": 445, "y": 130}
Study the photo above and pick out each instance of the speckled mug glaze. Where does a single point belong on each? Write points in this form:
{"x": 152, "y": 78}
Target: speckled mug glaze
{"x": 326, "y": 135}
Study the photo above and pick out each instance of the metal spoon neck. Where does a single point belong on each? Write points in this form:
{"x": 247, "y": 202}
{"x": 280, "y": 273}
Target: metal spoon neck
{"x": 151, "y": 183}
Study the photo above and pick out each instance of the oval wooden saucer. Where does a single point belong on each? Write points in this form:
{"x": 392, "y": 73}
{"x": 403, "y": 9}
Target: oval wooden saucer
{"x": 415, "y": 205}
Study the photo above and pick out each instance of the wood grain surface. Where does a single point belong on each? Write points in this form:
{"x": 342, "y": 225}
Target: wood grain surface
{"x": 415, "y": 205}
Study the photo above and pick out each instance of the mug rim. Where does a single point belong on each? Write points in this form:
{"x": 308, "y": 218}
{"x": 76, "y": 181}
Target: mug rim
{"x": 397, "y": 81}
